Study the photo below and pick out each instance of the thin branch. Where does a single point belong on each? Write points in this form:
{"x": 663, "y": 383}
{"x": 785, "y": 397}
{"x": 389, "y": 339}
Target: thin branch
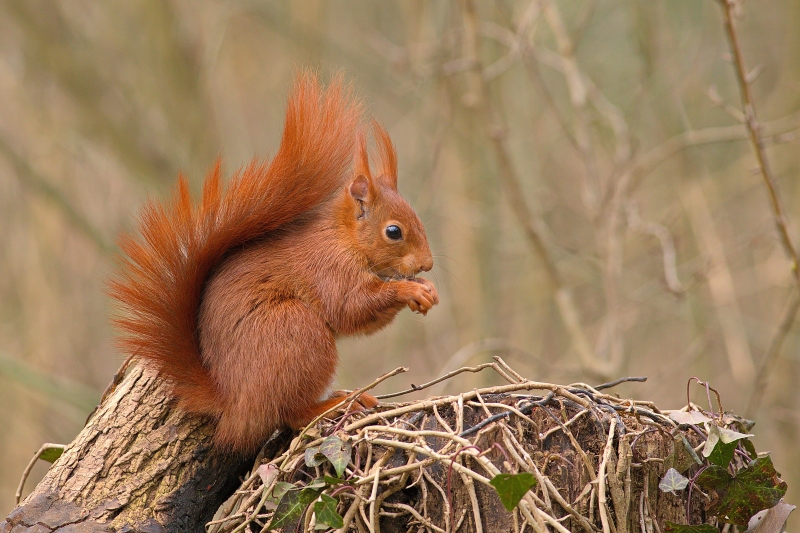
{"x": 610, "y": 384}
{"x": 669, "y": 257}
{"x": 579, "y": 99}
{"x": 530, "y": 224}
{"x": 721, "y": 286}
{"x": 648, "y": 161}
{"x": 473, "y": 369}
{"x": 756, "y": 138}
{"x": 473, "y": 498}
{"x": 601, "y": 477}
{"x": 46, "y": 446}
{"x": 413, "y": 512}
{"x": 764, "y": 370}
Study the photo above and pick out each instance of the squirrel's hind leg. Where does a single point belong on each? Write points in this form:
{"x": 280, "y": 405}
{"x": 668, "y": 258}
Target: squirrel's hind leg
{"x": 280, "y": 359}
{"x": 340, "y": 397}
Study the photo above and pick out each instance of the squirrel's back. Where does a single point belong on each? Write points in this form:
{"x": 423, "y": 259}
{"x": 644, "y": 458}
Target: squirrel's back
{"x": 162, "y": 277}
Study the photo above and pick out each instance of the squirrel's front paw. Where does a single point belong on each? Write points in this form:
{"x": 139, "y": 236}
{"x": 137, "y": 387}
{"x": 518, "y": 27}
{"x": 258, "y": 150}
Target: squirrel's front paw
{"x": 420, "y": 295}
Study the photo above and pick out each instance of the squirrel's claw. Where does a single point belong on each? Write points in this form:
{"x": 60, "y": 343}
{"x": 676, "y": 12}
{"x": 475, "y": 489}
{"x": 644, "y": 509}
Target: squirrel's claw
{"x": 422, "y": 295}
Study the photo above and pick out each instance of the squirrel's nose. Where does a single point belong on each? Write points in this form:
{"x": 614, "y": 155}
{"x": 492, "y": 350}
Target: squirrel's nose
{"x": 426, "y": 265}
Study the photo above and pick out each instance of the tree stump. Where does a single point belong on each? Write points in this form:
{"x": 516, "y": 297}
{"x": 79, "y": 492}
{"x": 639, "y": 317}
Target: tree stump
{"x": 138, "y": 465}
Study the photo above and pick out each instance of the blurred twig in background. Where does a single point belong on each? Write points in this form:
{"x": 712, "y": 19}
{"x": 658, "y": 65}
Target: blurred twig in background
{"x": 756, "y": 136}
{"x": 497, "y": 132}
{"x": 80, "y": 398}
{"x": 754, "y": 128}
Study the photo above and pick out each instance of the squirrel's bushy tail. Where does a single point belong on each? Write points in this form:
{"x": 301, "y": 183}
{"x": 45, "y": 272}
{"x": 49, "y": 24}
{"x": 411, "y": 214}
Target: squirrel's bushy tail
{"x": 160, "y": 281}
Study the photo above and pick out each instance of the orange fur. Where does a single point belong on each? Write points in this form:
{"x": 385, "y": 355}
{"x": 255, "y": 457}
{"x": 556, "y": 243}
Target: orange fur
{"x": 238, "y": 300}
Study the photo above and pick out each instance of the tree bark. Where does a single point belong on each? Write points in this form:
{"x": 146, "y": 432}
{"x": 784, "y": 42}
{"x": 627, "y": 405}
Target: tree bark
{"x": 140, "y": 464}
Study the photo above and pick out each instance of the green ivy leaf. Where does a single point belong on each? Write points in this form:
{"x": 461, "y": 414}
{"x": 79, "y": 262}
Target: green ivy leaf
{"x": 325, "y": 511}
{"x": 730, "y": 420}
{"x": 291, "y": 507}
{"x": 736, "y": 499}
{"x": 750, "y": 449}
{"x": 722, "y": 454}
{"x": 672, "y": 481}
{"x": 672, "y": 527}
{"x": 281, "y": 488}
{"x": 318, "y": 483}
{"x": 721, "y": 443}
{"x": 51, "y": 453}
{"x": 512, "y": 487}
{"x": 277, "y": 492}
{"x": 338, "y": 452}
{"x": 729, "y": 435}
{"x": 313, "y": 457}
{"x": 714, "y": 477}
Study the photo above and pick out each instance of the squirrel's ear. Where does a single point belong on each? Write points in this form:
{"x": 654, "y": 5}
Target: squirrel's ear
{"x": 359, "y": 188}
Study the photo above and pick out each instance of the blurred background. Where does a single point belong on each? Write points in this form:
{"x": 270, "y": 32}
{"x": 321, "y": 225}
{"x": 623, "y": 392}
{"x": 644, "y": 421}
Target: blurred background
{"x": 592, "y": 201}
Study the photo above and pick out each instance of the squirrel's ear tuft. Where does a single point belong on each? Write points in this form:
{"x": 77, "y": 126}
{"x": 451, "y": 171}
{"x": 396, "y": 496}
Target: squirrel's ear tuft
{"x": 359, "y": 188}
{"x": 387, "y": 157}
{"x": 362, "y": 156}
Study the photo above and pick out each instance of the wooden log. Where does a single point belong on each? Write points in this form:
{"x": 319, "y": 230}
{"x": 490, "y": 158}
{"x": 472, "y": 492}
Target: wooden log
{"x": 138, "y": 465}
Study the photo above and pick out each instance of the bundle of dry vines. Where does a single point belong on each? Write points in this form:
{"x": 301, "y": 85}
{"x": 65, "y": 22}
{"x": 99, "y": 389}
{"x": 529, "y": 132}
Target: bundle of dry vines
{"x": 429, "y": 465}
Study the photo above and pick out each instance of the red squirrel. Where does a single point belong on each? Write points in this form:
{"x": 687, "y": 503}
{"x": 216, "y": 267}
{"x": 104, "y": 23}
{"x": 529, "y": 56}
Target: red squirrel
{"x": 238, "y": 300}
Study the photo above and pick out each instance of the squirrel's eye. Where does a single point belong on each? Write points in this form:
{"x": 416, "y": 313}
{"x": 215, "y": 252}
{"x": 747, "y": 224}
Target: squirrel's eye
{"x": 394, "y": 232}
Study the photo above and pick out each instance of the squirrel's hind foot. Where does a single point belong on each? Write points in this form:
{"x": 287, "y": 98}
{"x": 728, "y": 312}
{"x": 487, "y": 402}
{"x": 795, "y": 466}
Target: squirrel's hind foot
{"x": 342, "y": 398}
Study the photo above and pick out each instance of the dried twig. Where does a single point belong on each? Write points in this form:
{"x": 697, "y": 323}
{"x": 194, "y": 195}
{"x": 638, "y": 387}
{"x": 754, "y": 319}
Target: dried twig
{"x": 645, "y": 163}
{"x": 473, "y": 369}
{"x": 756, "y": 137}
{"x": 601, "y": 477}
{"x": 611, "y": 384}
{"x": 46, "y": 446}
{"x": 762, "y": 376}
